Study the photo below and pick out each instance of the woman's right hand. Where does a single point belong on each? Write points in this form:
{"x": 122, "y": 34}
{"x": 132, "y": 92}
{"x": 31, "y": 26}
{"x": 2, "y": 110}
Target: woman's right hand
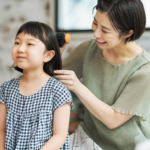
{"x": 62, "y": 48}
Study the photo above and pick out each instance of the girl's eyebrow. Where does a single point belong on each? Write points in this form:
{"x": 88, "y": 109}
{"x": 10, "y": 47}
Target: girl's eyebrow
{"x": 17, "y": 38}
{"x": 27, "y": 39}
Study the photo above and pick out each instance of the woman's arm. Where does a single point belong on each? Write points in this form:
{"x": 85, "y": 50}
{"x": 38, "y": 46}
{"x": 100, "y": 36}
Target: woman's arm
{"x": 60, "y": 128}
{"x": 3, "y": 111}
{"x": 98, "y": 108}
{"x": 75, "y": 59}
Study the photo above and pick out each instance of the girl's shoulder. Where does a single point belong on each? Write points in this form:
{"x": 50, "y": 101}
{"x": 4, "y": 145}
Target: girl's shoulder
{"x": 59, "y": 89}
{"x": 7, "y": 88}
{"x": 10, "y": 83}
{"x": 57, "y": 85}
{"x": 61, "y": 95}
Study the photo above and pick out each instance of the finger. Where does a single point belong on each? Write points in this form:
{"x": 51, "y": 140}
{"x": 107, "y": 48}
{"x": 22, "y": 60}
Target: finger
{"x": 62, "y": 77}
{"x": 66, "y": 82}
{"x": 65, "y": 72}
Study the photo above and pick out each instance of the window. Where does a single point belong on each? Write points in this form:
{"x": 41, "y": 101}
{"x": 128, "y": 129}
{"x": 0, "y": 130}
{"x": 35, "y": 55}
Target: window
{"x": 76, "y": 15}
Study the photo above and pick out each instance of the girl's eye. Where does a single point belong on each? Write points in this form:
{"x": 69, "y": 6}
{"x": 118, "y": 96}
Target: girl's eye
{"x": 30, "y": 44}
{"x": 104, "y": 31}
{"x": 16, "y": 43}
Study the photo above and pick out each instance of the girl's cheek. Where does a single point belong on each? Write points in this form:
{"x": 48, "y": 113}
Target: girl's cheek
{"x": 12, "y": 52}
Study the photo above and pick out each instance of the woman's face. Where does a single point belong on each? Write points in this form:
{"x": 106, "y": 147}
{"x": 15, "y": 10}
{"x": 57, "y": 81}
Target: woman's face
{"x": 107, "y": 37}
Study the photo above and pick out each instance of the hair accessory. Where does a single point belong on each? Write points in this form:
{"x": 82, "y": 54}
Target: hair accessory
{"x": 63, "y": 38}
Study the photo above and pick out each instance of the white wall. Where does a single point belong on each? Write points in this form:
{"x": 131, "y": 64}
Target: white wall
{"x": 13, "y": 13}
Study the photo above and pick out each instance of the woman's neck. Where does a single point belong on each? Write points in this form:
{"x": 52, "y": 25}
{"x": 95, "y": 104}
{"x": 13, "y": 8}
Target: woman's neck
{"x": 129, "y": 50}
{"x": 123, "y": 53}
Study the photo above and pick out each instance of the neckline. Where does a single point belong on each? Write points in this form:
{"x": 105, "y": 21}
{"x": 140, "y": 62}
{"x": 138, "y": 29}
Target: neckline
{"x": 34, "y": 93}
{"x": 123, "y": 64}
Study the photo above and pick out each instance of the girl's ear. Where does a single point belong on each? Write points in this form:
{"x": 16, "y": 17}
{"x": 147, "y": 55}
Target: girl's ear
{"x": 48, "y": 55}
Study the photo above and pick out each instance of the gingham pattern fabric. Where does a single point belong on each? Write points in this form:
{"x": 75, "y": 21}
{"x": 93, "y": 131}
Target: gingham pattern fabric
{"x": 29, "y": 122}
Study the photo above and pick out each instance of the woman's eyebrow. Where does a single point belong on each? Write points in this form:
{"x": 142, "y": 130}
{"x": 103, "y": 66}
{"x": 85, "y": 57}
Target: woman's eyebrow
{"x": 95, "y": 19}
{"x": 102, "y": 26}
{"x": 105, "y": 27}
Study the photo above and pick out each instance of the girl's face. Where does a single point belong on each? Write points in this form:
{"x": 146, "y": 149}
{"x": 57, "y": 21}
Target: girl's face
{"x": 107, "y": 37}
{"x": 28, "y": 52}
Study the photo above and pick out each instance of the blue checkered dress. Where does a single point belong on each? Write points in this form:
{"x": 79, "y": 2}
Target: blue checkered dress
{"x": 29, "y": 122}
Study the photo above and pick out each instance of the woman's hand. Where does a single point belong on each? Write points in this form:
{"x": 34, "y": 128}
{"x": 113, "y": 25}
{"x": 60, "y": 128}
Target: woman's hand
{"x": 62, "y": 48}
{"x": 68, "y": 78}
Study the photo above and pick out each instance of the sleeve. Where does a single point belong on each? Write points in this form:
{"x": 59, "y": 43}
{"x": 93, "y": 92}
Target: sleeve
{"x": 61, "y": 96}
{"x": 75, "y": 59}
{"x": 2, "y": 94}
{"x": 135, "y": 98}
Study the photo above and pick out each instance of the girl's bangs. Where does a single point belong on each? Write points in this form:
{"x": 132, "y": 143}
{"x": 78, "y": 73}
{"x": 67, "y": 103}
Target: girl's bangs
{"x": 31, "y": 29}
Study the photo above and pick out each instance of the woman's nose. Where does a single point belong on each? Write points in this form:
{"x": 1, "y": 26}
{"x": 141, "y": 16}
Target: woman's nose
{"x": 97, "y": 34}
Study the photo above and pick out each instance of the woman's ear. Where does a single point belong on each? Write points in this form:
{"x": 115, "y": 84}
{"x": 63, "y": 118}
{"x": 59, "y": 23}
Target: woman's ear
{"x": 48, "y": 55}
{"x": 129, "y": 34}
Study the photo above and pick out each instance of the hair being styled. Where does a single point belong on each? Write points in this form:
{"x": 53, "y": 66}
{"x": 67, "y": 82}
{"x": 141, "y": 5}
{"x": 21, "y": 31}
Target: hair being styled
{"x": 44, "y": 33}
{"x": 125, "y": 15}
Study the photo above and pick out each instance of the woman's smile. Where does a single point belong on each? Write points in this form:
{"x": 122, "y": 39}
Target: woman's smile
{"x": 100, "y": 42}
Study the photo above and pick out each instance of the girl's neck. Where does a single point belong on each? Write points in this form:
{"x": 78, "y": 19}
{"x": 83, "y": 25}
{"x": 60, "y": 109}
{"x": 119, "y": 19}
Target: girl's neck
{"x": 34, "y": 76}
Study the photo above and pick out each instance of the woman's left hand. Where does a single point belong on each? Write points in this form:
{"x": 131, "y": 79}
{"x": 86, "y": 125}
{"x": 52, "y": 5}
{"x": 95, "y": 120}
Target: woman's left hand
{"x": 68, "y": 78}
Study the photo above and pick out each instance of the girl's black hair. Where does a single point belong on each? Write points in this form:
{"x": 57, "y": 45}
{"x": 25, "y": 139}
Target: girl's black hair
{"x": 125, "y": 15}
{"x": 44, "y": 33}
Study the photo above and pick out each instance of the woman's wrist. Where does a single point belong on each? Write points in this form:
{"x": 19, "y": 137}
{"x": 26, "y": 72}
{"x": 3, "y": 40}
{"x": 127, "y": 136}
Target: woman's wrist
{"x": 78, "y": 88}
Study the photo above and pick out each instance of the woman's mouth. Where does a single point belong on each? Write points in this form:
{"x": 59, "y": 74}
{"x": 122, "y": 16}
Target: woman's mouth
{"x": 101, "y": 42}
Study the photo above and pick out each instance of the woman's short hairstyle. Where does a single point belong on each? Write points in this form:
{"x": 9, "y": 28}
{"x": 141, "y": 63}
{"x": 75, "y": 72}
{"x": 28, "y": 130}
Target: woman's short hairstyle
{"x": 44, "y": 33}
{"x": 125, "y": 15}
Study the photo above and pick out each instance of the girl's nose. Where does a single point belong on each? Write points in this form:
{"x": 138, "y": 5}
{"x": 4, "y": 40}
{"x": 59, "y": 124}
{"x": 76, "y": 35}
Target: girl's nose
{"x": 21, "y": 49}
{"x": 97, "y": 34}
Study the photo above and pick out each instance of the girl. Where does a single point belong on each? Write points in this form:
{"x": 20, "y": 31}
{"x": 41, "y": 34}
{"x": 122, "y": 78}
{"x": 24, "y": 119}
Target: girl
{"x": 35, "y": 107}
{"x": 116, "y": 79}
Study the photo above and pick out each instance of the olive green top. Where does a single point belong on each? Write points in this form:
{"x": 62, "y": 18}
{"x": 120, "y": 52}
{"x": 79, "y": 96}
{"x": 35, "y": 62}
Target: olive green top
{"x": 125, "y": 87}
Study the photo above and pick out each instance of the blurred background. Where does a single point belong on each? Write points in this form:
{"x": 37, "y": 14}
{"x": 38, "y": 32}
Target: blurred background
{"x": 70, "y": 16}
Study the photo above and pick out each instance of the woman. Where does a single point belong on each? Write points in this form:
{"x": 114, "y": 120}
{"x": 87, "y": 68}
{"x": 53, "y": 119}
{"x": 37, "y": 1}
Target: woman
{"x": 116, "y": 84}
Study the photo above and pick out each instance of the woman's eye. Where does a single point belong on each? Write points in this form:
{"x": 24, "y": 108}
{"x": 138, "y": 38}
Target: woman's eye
{"x": 95, "y": 23}
{"x": 104, "y": 31}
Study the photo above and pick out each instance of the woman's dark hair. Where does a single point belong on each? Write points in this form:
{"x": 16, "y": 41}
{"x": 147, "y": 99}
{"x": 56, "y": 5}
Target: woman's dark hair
{"x": 125, "y": 15}
{"x": 44, "y": 33}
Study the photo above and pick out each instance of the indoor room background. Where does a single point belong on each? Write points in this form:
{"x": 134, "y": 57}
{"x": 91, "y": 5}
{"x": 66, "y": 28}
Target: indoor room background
{"x": 13, "y": 13}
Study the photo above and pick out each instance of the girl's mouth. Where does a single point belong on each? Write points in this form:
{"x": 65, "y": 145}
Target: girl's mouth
{"x": 20, "y": 58}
